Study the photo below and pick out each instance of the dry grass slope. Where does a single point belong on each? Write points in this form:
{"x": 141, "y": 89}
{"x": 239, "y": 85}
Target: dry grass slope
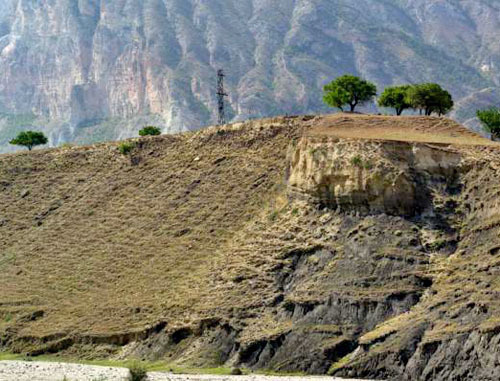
{"x": 98, "y": 244}
{"x": 195, "y": 235}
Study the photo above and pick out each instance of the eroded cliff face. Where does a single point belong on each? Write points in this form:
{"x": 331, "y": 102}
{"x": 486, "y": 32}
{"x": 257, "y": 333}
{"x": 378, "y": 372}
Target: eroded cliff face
{"x": 449, "y": 198}
{"x": 380, "y": 264}
{"x": 369, "y": 177}
{"x": 91, "y": 70}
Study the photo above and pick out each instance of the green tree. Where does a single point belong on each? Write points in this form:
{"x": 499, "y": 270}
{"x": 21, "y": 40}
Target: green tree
{"x": 150, "y": 131}
{"x": 395, "y": 97}
{"x": 348, "y": 90}
{"x": 29, "y": 139}
{"x": 491, "y": 121}
{"x": 430, "y": 98}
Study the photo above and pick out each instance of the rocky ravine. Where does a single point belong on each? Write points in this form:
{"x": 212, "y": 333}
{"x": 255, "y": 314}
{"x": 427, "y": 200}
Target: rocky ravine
{"x": 93, "y": 70}
{"x": 359, "y": 258}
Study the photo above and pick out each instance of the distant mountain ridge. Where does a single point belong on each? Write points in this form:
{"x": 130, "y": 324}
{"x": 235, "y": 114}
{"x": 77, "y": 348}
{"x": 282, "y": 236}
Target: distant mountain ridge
{"x": 92, "y": 70}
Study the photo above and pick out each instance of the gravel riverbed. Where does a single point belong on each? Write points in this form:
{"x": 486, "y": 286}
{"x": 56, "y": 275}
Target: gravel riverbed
{"x": 53, "y": 371}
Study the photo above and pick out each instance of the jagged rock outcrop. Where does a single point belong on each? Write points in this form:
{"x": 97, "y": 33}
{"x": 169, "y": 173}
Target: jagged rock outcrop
{"x": 92, "y": 70}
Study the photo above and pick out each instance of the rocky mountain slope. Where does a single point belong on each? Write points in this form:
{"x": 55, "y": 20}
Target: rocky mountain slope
{"x": 92, "y": 70}
{"x": 291, "y": 244}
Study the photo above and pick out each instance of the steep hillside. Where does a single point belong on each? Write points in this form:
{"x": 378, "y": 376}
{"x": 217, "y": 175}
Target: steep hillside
{"x": 293, "y": 244}
{"x": 93, "y": 70}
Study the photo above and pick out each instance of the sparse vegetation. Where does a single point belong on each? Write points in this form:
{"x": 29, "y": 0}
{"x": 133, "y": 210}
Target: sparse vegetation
{"x": 236, "y": 372}
{"x": 339, "y": 364}
{"x": 108, "y": 224}
{"x": 490, "y": 120}
{"x": 274, "y": 215}
{"x": 126, "y": 147}
{"x": 150, "y": 131}
{"x": 367, "y": 164}
{"x": 29, "y": 139}
{"x": 138, "y": 372}
{"x": 357, "y": 161}
{"x": 437, "y": 245}
{"x": 348, "y": 90}
{"x": 227, "y": 205}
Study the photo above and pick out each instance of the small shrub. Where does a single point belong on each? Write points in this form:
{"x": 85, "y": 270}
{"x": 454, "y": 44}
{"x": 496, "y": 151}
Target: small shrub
{"x": 125, "y": 148}
{"x": 356, "y": 160}
{"x": 317, "y": 152}
{"x": 368, "y": 165}
{"x": 273, "y": 216}
{"x": 437, "y": 245}
{"x": 150, "y": 131}
{"x": 236, "y": 372}
{"x": 137, "y": 372}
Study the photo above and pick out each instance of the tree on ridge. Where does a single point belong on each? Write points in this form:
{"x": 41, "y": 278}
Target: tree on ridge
{"x": 430, "y": 98}
{"x": 395, "y": 97}
{"x": 348, "y": 90}
{"x": 150, "y": 131}
{"x": 490, "y": 120}
{"x": 29, "y": 139}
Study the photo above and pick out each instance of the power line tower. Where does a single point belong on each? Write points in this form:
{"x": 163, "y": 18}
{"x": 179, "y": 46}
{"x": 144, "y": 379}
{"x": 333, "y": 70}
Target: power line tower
{"x": 220, "y": 96}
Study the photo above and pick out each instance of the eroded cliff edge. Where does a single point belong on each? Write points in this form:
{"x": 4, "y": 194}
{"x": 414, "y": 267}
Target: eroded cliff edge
{"x": 268, "y": 246}
{"x": 447, "y": 198}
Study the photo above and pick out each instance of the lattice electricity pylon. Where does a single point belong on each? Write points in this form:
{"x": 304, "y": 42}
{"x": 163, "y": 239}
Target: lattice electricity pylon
{"x": 220, "y": 96}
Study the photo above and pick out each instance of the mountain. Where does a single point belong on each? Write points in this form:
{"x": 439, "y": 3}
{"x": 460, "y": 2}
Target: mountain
{"x": 343, "y": 244}
{"x": 91, "y": 70}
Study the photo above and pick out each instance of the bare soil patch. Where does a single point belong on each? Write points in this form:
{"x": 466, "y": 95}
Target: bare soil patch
{"x": 404, "y": 128}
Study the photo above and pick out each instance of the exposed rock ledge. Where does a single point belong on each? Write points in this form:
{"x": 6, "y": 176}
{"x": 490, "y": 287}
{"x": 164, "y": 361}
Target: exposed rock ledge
{"x": 369, "y": 176}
